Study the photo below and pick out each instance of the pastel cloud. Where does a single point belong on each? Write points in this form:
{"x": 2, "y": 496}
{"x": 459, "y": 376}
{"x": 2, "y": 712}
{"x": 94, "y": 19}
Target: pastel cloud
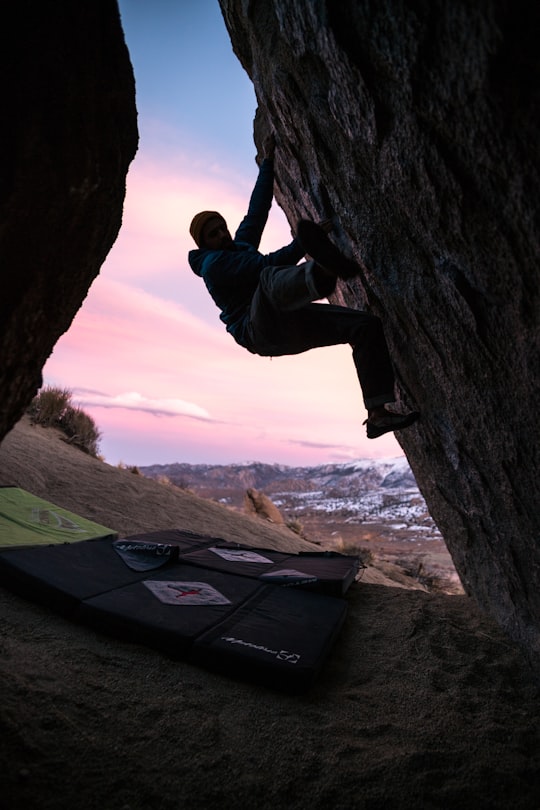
{"x": 132, "y": 400}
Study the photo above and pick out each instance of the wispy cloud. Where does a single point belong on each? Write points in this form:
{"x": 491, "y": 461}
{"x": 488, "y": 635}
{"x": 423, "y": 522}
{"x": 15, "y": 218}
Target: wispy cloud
{"x": 341, "y": 448}
{"x": 133, "y": 401}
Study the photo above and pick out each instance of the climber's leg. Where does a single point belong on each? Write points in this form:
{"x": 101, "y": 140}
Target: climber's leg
{"x": 291, "y": 287}
{"x": 274, "y": 332}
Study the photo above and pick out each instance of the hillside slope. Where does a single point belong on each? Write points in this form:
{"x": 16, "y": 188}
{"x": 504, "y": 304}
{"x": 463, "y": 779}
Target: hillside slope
{"x": 40, "y": 461}
{"x": 422, "y": 703}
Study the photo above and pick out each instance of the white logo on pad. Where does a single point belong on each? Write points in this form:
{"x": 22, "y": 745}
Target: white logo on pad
{"x": 240, "y": 555}
{"x": 185, "y": 593}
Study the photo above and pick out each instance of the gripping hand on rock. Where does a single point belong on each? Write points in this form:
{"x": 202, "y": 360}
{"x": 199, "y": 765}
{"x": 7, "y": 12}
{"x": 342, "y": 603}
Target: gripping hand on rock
{"x": 269, "y": 147}
{"x": 267, "y": 150}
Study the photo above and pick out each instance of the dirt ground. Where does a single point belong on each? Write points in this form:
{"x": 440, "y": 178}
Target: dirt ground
{"x": 423, "y": 703}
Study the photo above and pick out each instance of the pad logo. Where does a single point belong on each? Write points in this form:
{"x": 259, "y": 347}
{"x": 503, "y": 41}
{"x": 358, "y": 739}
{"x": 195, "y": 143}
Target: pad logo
{"x": 46, "y": 517}
{"x": 285, "y": 655}
{"x": 185, "y": 593}
{"x": 159, "y": 549}
{"x": 240, "y": 555}
{"x": 281, "y": 655}
{"x": 289, "y": 576}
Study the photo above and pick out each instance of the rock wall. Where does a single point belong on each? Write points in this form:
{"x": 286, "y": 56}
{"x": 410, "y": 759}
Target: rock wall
{"x": 68, "y": 135}
{"x": 414, "y": 125}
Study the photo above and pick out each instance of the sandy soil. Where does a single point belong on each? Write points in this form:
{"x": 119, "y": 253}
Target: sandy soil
{"x": 423, "y": 703}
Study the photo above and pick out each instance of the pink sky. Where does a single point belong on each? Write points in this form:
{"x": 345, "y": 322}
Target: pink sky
{"x": 149, "y": 359}
{"x": 147, "y": 355}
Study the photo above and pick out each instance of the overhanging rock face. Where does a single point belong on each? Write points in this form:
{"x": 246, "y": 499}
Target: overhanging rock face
{"x": 68, "y": 135}
{"x": 414, "y": 127}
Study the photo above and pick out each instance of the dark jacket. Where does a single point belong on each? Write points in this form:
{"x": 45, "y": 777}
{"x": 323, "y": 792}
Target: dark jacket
{"x": 232, "y": 276}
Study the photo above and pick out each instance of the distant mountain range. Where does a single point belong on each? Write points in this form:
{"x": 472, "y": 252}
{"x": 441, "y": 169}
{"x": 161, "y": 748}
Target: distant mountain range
{"x": 364, "y": 491}
{"x": 350, "y": 477}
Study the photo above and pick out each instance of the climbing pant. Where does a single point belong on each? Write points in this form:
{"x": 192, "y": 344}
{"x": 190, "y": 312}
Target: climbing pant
{"x": 283, "y": 319}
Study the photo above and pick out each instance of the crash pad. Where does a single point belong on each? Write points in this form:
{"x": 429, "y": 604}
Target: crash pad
{"x": 26, "y": 520}
{"x": 234, "y": 624}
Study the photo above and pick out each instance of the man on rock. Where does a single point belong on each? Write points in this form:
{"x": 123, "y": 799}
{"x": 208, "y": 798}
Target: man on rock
{"x": 267, "y": 303}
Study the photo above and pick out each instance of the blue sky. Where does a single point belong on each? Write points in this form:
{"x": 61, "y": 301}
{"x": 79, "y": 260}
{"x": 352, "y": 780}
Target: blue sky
{"x": 146, "y": 355}
{"x": 189, "y": 79}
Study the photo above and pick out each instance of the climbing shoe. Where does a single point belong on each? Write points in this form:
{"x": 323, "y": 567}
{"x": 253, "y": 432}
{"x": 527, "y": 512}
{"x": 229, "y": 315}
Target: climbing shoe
{"x": 315, "y": 243}
{"x": 379, "y": 425}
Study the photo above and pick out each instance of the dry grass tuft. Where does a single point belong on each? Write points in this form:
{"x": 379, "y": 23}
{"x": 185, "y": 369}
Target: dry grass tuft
{"x": 52, "y": 407}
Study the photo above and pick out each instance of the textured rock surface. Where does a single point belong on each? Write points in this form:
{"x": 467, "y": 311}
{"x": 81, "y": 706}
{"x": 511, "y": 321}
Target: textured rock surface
{"x": 68, "y": 135}
{"x": 414, "y": 126}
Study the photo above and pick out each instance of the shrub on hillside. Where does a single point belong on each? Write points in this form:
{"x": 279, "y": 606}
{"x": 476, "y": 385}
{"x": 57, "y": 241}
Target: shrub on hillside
{"x": 48, "y": 407}
{"x": 80, "y": 429}
{"x": 129, "y": 468}
{"x": 52, "y": 408}
{"x": 352, "y": 549}
{"x": 296, "y": 527}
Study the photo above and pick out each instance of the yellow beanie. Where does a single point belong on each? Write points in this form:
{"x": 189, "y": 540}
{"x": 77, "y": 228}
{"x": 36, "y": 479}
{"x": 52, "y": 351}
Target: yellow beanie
{"x": 199, "y": 221}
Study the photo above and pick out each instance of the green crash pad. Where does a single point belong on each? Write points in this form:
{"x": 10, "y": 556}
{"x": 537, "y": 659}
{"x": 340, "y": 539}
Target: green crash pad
{"x": 27, "y": 520}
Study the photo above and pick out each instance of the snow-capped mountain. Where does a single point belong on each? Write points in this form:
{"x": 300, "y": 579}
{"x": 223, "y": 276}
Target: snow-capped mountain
{"x": 363, "y": 491}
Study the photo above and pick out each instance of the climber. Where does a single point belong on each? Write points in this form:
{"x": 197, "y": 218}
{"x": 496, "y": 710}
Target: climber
{"x": 267, "y": 302}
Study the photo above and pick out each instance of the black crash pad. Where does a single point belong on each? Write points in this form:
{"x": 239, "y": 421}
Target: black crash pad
{"x": 234, "y": 624}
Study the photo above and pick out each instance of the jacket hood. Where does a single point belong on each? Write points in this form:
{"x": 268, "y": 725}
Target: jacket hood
{"x": 195, "y": 259}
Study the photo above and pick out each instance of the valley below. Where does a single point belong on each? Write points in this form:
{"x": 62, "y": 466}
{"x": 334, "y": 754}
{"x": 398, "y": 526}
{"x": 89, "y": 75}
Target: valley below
{"x": 369, "y": 507}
